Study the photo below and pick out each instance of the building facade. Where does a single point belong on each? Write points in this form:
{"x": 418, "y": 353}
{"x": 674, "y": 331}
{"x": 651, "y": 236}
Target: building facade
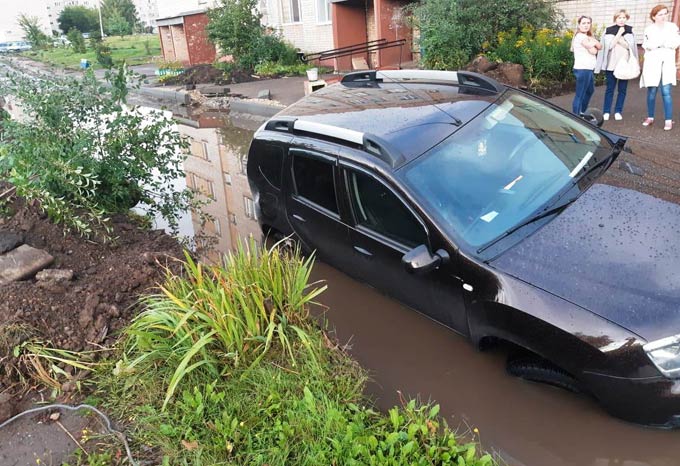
{"x": 602, "y": 12}
{"x": 9, "y": 20}
{"x": 184, "y": 38}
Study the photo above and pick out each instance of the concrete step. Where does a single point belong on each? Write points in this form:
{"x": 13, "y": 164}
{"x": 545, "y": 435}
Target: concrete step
{"x": 22, "y": 262}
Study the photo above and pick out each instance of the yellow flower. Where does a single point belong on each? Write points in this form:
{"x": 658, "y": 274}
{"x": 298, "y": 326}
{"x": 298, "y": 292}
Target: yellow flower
{"x": 475, "y": 430}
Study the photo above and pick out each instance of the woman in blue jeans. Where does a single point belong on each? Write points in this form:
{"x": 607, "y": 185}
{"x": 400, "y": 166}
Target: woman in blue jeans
{"x": 617, "y": 42}
{"x": 661, "y": 40}
{"x": 585, "y": 48}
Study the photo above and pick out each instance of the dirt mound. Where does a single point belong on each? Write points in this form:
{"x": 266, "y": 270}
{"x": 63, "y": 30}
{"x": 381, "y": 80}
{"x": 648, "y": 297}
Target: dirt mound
{"x": 100, "y": 299}
{"x": 199, "y": 74}
{"x": 208, "y": 74}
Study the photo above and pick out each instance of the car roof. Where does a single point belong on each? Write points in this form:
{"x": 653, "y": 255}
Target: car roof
{"x": 408, "y": 116}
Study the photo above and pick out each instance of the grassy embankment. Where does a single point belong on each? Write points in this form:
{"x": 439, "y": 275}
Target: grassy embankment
{"x": 134, "y": 50}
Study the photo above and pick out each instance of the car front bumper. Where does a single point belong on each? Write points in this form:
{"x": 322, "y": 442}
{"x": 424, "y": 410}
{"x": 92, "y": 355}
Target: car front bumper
{"x": 652, "y": 401}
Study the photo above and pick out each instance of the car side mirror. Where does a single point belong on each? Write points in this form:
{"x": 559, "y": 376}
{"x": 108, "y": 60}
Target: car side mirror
{"x": 593, "y": 116}
{"x": 420, "y": 260}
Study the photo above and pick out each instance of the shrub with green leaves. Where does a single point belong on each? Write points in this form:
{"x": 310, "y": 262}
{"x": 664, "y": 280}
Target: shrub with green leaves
{"x": 454, "y": 31}
{"x": 83, "y": 155}
{"x": 77, "y": 40}
{"x": 544, "y": 53}
{"x": 236, "y": 28}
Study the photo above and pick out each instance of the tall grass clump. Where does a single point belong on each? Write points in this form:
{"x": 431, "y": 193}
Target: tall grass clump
{"x": 217, "y": 318}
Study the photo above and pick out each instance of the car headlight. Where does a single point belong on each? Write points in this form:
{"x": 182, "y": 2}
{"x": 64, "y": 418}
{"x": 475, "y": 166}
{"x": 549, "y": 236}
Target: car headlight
{"x": 665, "y": 354}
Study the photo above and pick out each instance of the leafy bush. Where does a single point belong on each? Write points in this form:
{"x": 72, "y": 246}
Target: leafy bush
{"x": 83, "y": 155}
{"x": 453, "y": 31}
{"x": 77, "y": 40}
{"x": 544, "y": 53}
{"x": 235, "y": 27}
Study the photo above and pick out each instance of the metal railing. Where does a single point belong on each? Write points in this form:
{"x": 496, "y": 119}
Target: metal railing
{"x": 360, "y": 48}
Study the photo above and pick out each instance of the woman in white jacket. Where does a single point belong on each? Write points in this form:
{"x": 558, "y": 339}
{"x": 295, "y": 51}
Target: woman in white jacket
{"x": 617, "y": 41}
{"x": 661, "y": 40}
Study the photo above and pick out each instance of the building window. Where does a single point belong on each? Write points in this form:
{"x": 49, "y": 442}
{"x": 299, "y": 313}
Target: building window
{"x": 323, "y": 11}
{"x": 249, "y": 207}
{"x": 199, "y": 149}
{"x": 227, "y": 179}
{"x": 291, "y": 10}
{"x": 232, "y": 218}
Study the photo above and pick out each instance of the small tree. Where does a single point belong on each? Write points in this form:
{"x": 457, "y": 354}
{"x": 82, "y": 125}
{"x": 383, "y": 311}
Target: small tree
{"x": 117, "y": 25}
{"x": 112, "y": 9}
{"x": 101, "y": 50}
{"x": 77, "y": 40}
{"x": 32, "y": 31}
{"x": 83, "y": 155}
{"x": 82, "y": 18}
{"x": 236, "y": 28}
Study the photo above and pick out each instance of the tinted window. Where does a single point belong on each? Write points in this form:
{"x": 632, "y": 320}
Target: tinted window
{"x": 503, "y": 166}
{"x": 377, "y": 208}
{"x": 314, "y": 181}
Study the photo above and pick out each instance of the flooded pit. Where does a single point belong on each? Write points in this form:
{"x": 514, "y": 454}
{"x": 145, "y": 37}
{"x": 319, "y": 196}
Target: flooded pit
{"x": 405, "y": 352}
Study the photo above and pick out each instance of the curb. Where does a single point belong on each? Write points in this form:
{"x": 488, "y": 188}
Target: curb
{"x": 254, "y": 108}
{"x": 180, "y": 97}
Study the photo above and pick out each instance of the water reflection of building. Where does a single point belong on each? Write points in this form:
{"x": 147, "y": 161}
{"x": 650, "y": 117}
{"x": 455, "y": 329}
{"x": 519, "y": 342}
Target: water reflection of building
{"x": 216, "y": 167}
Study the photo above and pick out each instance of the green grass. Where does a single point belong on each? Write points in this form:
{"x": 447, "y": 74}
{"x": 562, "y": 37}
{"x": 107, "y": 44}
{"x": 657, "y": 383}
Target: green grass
{"x": 131, "y": 49}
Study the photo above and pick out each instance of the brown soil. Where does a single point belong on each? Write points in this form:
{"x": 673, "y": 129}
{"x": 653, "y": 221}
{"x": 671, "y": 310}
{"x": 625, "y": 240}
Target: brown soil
{"x": 208, "y": 74}
{"x": 101, "y": 298}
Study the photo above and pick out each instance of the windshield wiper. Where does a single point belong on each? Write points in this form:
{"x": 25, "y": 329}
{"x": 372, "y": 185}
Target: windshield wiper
{"x": 616, "y": 150}
{"x": 609, "y": 159}
{"x": 529, "y": 220}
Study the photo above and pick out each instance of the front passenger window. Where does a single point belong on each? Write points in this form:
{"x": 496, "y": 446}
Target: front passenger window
{"x": 378, "y": 209}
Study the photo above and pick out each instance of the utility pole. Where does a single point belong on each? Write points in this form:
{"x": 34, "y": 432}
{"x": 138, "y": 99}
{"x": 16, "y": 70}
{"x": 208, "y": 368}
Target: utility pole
{"x": 101, "y": 25}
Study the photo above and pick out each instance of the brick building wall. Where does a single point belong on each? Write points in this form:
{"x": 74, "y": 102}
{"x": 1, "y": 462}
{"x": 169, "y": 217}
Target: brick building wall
{"x": 201, "y": 50}
{"x": 179, "y": 42}
{"x": 307, "y": 33}
{"x": 167, "y": 46}
{"x": 602, "y": 12}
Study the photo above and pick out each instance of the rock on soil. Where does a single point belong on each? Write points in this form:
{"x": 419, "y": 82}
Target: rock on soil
{"x": 105, "y": 281}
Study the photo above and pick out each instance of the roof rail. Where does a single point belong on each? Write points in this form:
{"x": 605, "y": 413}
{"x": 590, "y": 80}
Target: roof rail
{"x": 462, "y": 78}
{"x": 368, "y": 142}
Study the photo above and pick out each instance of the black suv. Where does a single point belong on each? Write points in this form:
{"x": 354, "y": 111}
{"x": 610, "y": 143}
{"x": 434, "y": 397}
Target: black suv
{"x": 495, "y": 213}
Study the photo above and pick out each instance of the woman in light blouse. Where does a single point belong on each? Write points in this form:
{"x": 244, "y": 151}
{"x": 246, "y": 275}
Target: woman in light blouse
{"x": 661, "y": 40}
{"x": 618, "y": 41}
{"x": 585, "y": 48}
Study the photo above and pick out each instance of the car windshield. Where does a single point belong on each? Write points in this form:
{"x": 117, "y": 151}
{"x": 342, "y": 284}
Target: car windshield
{"x": 502, "y": 167}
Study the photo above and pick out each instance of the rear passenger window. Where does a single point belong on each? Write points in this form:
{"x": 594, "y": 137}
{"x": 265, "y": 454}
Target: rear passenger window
{"x": 313, "y": 180}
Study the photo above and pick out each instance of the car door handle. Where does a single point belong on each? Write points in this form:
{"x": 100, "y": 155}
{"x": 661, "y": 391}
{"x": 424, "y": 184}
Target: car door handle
{"x": 298, "y": 218}
{"x": 363, "y": 251}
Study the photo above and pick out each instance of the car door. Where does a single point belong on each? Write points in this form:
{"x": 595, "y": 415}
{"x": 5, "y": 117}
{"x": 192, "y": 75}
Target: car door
{"x": 312, "y": 205}
{"x": 385, "y": 227}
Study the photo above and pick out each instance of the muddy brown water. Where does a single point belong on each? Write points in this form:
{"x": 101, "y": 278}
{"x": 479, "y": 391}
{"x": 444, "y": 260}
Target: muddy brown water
{"x": 409, "y": 355}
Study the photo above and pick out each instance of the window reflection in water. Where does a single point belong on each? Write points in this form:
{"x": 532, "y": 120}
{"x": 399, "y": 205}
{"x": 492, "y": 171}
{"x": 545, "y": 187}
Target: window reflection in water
{"x": 216, "y": 169}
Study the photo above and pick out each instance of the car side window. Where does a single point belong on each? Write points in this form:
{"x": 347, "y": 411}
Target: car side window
{"x": 377, "y": 208}
{"x": 313, "y": 180}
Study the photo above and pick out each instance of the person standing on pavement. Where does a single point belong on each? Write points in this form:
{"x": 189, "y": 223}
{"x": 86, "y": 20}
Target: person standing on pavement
{"x": 617, "y": 42}
{"x": 585, "y": 48}
{"x": 658, "y": 71}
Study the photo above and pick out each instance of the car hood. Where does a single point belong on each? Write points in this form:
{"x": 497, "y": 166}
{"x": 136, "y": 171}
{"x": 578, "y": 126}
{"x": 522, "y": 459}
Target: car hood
{"x": 616, "y": 250}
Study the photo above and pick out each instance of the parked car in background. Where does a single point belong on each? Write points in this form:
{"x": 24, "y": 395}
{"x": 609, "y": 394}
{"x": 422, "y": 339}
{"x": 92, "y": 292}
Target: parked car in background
{"x": 15, "y": 46}
{"x": 494, "y": 213}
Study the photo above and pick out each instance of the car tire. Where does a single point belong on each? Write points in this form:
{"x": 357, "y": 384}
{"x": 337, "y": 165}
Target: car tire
{"x": 539, "y": 370}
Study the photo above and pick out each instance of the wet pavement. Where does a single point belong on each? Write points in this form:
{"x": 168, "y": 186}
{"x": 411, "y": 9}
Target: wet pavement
{"x": 409, "y": 355}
